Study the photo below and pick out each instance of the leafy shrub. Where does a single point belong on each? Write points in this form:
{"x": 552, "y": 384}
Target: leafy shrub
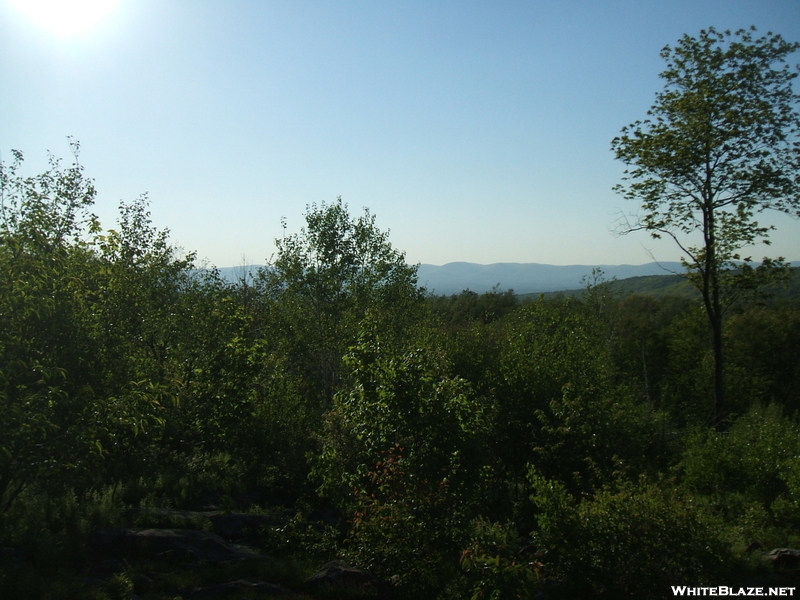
{"x": 749, "y": 474}
{"x": 44, "y": 538}
{"x": 633, "y": 541}
{"x": 591, "y": 436}
{"x": 500, "y": 563}
{"x": 402, "y": 453}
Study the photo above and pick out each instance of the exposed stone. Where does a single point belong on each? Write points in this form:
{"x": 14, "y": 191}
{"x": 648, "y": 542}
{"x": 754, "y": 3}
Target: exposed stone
{"x": 338, "y": 575}
{"x": 238, "y": 525}
{"x": 169, "y": 518}
{"x": 250, "y": 586}
{"x": 783, "y": 559}
{"x": 170, "y": 544}
{"x": 231, "y": 526}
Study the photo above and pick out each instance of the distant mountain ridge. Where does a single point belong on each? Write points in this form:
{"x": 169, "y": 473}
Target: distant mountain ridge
{"x": 527, "y": 278}
{"x": 523, "y": 278}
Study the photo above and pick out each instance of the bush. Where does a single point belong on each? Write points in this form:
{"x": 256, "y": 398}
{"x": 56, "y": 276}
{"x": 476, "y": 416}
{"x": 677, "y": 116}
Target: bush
{"x": 500, "y": 564}
{"x": 749, "y": 474}
{"x": 634, "y": 541}
{"x": 402, "y": 453}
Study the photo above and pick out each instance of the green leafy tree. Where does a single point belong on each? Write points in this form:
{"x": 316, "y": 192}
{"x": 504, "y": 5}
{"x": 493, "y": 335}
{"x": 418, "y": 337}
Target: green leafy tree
{"x": 323, "y": 282}
{"x": 46, "y": 403}
{"x": 720, "y": 145}
{"x": 144, "y": 299}
{"x": 239, "y": 404}
{"x": 640, "y": 347}
{"x": 89, "y": 324}
{"x": 549, "y": 346}
{"x": 687, "y": 385}
{"x": 402, "y": 452}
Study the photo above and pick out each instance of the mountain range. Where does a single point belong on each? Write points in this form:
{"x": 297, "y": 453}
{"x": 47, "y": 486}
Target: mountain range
{"x": 523, "y": 278}
{"x": 528, "y": 278}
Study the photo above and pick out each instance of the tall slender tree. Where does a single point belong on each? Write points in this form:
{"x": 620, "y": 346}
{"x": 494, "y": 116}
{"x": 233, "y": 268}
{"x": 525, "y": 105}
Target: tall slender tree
{"x": 720, "y": 145}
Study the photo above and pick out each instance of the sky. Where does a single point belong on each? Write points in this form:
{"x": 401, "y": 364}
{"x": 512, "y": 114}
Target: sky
{"x": 475, "y": 131}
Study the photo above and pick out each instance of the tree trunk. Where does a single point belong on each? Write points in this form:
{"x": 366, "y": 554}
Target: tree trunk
{"x": 712, "y": 303}
{"x": 719, "y": 375}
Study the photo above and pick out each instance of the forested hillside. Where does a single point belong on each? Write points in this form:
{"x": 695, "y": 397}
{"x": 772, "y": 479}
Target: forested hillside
{"x": 661, "y": 286}
{"x": 470, "y": 446}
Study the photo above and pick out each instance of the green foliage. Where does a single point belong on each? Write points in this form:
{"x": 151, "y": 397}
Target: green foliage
{"x": 630, "y": 541}
{"x": 687, "y": 392}
{"x": 323, "y": 282}
{"x": 721, "y": 142}
{"x": 755, "y": 462}
{"x": 235, "y": 394}
{"x": 764, "y": 358}
{"x": 139, "y": 295}
{"x": 305, "y": 312}
{"x": 500, "y": 565}
{"x": 547, "y": 346}
{"x": 641, "y": 344}
{"x": 403, "y": 442}
{"x": 128, "y": 379}
{"x": 90, "y": 325}
{"x": 720, "y": 146}
{"x": 468, "y": 306}
{"x": 591, "y": 437}
{"x": 47, "y": 405}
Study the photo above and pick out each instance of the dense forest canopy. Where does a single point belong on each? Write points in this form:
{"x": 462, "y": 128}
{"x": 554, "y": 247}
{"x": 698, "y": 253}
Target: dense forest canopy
{"x": 470, "y": 446}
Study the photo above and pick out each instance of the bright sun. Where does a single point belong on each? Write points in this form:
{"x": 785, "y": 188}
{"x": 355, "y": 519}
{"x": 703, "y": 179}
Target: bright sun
{"x": 66, "y": 18}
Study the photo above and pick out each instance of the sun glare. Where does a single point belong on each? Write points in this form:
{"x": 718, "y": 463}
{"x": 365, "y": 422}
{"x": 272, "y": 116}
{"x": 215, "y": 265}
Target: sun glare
{"x": 66, "y": 18}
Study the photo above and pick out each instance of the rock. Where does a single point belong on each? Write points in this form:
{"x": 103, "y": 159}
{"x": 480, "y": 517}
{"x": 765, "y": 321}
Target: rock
{"x": 231, "y": 526}
{"x": 168, "y": 518}
{"x": 238, "y": 525}
{"x": 253, "y": 587}
{"x": 338, "y": 575}
{"x": 159, "y": 544}
{"x": 783, "y": 559}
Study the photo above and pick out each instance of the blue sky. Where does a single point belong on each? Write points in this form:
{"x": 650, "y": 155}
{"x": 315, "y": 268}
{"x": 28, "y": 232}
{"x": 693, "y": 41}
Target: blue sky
{"x": 475, "y": 131}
